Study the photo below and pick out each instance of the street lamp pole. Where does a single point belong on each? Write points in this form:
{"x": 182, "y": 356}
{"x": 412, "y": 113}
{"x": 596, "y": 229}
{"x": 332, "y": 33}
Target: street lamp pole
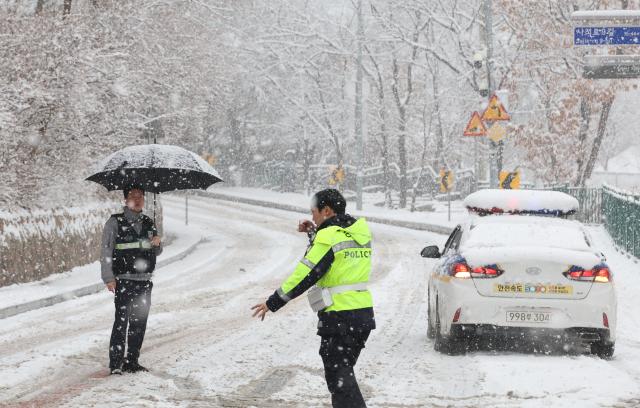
{"x": 494, "y": 149}
{"x": 358, "y": 111}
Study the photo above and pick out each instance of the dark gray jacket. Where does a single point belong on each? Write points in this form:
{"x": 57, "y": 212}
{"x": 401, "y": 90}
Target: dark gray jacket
{"x": 109, "y": 242}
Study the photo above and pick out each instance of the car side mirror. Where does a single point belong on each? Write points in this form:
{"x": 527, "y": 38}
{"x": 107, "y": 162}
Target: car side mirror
{"x": 431, "y": 251}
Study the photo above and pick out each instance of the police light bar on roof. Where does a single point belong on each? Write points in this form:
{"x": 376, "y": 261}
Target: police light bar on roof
{"x": 533, "y": 202}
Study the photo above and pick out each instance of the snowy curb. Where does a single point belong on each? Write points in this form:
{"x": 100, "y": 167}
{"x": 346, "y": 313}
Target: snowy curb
{"x": 87, "y": 290}
{"x": 420, "y": 226}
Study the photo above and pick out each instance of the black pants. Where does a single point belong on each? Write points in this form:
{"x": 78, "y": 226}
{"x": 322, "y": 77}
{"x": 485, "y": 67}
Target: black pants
{"x": 339, "y": 355}
{"x": 132, "y": 300}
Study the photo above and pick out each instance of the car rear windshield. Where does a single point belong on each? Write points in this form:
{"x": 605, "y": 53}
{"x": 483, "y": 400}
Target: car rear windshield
{"x": 537, "y": 234}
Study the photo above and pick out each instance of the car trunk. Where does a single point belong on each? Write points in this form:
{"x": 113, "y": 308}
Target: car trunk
{"x": 531, "y": 272}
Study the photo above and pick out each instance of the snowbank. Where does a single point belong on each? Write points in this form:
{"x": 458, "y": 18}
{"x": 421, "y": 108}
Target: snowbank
{"x": 85, "y": 279}
{"x": 301, "y": 203}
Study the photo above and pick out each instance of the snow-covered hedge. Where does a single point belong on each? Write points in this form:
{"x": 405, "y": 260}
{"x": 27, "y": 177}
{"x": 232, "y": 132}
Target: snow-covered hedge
{"x": 37, "y": 243}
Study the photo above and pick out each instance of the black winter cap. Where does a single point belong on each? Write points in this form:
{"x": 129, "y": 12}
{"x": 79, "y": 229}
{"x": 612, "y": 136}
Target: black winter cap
{"x": 126, "y": 190}
{"x": 329, "y": 198}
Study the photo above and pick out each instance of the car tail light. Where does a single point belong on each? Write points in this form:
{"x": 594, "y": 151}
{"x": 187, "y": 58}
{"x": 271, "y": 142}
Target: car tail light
{"x": 489, "y": 271}
{"x": 605, "y": 320}
{"x": 456, "y": 315}
{"x": 460, "y": 270}
{"x": 603, "y": 275}
{"x": 600, "y": 273}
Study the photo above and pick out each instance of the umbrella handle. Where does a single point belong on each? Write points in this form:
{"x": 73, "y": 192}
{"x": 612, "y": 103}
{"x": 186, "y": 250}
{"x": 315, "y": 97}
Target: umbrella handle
{"x": 154, "y": 209}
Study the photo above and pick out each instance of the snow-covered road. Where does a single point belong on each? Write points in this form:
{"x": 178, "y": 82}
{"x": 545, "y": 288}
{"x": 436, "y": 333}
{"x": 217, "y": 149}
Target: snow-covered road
{"x": 204, "y": 349}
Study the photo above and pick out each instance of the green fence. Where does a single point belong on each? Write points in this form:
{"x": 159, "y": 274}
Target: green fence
{"x": 617, "y": 210}
{"x": 621, "y": 217}
{"x": 590, "y": 200}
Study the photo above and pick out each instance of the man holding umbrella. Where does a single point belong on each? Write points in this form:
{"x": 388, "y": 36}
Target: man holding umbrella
{"x": 130, "y": 239}
{"x": 130, "y": 244}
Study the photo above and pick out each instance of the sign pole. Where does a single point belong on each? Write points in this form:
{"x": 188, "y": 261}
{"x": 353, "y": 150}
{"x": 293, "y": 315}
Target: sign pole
{"x": 476, "y": 166}
{"x": 493, "y": 114}
{"x": 475, "y": 127}
{"x": 488, "y": 37}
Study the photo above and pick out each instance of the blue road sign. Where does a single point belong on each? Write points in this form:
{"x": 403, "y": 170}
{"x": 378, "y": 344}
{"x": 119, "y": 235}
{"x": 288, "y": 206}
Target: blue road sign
{"x": 606, "y": 36}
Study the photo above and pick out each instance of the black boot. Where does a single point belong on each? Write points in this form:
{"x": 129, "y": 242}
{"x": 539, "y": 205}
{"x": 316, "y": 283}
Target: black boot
{"x": 133, "y": 367}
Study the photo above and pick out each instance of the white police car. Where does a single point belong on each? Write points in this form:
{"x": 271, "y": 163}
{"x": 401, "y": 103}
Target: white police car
{"x": 519, "y": 269}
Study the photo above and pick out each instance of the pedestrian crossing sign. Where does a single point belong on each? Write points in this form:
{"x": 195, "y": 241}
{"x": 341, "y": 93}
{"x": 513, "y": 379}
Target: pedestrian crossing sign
{"x": 509, "y": 180}
{"x": 475, "y": 127}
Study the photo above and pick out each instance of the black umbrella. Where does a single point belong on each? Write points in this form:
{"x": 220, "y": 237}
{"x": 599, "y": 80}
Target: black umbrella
{"x": 155, "y": 168}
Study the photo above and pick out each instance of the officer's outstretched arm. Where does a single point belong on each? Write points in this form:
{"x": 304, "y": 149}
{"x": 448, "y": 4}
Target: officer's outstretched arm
{"x": 310, "y": 269}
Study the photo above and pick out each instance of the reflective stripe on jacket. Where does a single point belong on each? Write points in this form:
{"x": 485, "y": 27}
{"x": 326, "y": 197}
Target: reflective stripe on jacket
{"x": 133, "y": 253}
{"x": 340, "y": 254}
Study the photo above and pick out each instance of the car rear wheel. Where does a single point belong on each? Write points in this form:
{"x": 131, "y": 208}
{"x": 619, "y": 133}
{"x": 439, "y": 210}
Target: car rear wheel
{"x": 603, "y": 350}
{"x": 451, "y": 345}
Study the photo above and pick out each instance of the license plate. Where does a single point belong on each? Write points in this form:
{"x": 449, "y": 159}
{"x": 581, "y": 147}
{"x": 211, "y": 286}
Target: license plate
{"x": 533, "y": 289}
{"x": 528, "y": 317}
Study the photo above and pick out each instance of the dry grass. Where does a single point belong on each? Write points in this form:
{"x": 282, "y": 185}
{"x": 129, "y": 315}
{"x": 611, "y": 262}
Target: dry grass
{"x": 35, "y": 244}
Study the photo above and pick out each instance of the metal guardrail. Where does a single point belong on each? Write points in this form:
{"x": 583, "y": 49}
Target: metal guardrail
{"x": 621, "y": 215}
{"x": 288, "y": 177}
{"x": 617, "y": 210}
{"x": 590, "y": 200}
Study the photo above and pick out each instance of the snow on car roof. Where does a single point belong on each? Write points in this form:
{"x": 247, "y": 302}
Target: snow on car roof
{"x": 511, "y": 238}
{"x": 514, "y": 230}
{"x": 490, "y": 201}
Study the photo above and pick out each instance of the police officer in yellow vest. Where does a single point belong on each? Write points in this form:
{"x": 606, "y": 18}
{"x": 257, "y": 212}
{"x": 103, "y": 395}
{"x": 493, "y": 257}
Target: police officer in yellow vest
{"x": 336, "y": 268}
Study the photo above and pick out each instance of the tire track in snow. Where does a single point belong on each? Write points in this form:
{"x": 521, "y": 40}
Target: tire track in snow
{"x": 252, "y": 233}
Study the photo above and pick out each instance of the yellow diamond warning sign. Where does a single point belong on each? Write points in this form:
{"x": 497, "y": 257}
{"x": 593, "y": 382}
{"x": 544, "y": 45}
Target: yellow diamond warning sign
{"x": 495, "y": 110}
{"x": 509, "y": 180}
{"x": 475, "y": 127}
{"x": 337, "y": 175}
{"x": 446, "y": 180}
